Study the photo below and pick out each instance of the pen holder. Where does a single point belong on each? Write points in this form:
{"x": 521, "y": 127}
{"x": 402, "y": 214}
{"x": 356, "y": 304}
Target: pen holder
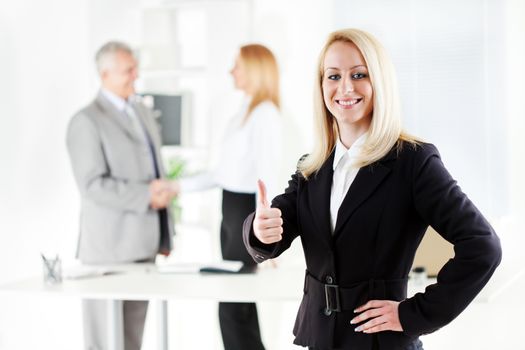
{"x": 52, "y": 268}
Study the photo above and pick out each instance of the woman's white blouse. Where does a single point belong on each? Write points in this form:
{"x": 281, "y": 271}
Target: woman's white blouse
{"x": 345, "y": 173}
{"x": 249, "y": 151}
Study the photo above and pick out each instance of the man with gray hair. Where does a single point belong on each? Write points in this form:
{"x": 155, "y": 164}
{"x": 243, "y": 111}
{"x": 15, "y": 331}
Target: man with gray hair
{"x": 114, "y": 148}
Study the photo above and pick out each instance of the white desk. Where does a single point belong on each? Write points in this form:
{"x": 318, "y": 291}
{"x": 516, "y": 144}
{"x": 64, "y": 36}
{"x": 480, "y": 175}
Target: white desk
{"x": 144, "y": 282}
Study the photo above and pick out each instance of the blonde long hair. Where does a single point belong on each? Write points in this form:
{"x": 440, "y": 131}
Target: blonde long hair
{"x": 385, "y": 129}
{"x": 263, "y": 75}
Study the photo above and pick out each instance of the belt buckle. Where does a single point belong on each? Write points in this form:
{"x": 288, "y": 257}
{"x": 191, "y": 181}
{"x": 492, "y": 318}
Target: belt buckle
{"x": 329, "y": 305}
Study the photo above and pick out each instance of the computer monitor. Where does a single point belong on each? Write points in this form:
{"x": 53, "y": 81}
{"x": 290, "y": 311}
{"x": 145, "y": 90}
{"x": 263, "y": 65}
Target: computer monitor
{"x": 172, "y": 116}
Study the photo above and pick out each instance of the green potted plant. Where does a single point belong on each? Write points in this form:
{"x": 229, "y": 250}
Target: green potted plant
{"x": 176, "y": 166}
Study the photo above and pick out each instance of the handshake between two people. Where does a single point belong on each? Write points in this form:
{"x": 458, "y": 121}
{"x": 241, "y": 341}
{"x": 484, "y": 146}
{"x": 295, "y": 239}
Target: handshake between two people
{"x": 162, "y": 192}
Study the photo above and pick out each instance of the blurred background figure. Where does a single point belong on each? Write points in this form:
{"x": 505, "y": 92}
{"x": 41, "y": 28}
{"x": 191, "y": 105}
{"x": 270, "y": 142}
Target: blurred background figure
{"x": 113, "y": 146}
{"x": 252, "y": 149}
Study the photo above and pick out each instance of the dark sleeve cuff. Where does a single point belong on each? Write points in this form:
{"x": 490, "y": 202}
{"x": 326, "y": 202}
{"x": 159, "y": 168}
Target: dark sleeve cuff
{"x": 258, "y": 250}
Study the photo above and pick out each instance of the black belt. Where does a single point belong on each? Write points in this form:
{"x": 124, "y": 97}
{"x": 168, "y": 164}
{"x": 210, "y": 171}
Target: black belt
{"x": 340, "y": 298}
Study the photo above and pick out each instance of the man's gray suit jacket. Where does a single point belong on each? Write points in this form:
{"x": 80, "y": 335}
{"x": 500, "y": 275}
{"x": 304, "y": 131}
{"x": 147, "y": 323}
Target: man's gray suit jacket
{"x": 113, "y": 168}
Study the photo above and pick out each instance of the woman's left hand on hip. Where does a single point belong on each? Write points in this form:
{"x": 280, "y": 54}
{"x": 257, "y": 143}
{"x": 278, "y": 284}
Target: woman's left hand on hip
{"x": 380, "y": 315}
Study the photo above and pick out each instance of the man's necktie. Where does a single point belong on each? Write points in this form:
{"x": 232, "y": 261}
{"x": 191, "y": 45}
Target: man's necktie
{"x": 142, "y": 133}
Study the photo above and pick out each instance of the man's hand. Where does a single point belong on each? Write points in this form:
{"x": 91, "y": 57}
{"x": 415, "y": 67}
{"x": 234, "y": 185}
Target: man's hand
{"x": 161, "y": 193}
{"x": 268, "y": 224}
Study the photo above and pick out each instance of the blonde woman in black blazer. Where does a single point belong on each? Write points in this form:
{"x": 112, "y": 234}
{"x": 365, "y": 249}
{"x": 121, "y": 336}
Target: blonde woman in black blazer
{"x": 361, "y": 203}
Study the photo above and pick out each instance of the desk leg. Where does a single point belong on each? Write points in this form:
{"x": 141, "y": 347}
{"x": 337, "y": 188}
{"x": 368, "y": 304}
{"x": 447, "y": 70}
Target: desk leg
{"x": 162, "y": 324}
{"x": 114, "y": 325}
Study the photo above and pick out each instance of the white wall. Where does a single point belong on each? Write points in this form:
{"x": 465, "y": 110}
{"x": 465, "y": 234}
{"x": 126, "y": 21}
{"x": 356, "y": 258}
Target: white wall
{"x": 44, "y": 79}
{"x": 515, "y": 124}
{"x": 296, "y": 31}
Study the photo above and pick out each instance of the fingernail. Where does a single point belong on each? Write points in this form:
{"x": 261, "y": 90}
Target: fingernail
{"x": 352, "y": 321}
{"x": 355, "y": 310}
{"x": 358, "y": 329}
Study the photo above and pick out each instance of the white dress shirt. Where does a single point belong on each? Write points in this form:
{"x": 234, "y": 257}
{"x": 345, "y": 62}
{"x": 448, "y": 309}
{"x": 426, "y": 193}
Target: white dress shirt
{"x": 344, "y": 174}
{"x": 124, "y": 106}
{"x": 115, "y": 100}
{"x": 249, "y": 151}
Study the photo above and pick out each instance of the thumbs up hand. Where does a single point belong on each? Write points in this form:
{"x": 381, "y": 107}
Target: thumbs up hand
{"x": 268, "y": 224}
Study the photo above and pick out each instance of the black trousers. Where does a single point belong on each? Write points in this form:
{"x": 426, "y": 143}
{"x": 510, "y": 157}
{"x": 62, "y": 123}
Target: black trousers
{"x": 239, "y": 321}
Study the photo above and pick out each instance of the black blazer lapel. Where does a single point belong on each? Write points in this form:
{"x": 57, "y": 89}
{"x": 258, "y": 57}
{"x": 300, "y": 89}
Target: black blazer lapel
{"x": 319, "y": 187}
{"x": 366, "y": 181}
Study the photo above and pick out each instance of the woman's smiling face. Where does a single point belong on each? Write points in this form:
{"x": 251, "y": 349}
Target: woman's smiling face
{"x": 347, "y": 90}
